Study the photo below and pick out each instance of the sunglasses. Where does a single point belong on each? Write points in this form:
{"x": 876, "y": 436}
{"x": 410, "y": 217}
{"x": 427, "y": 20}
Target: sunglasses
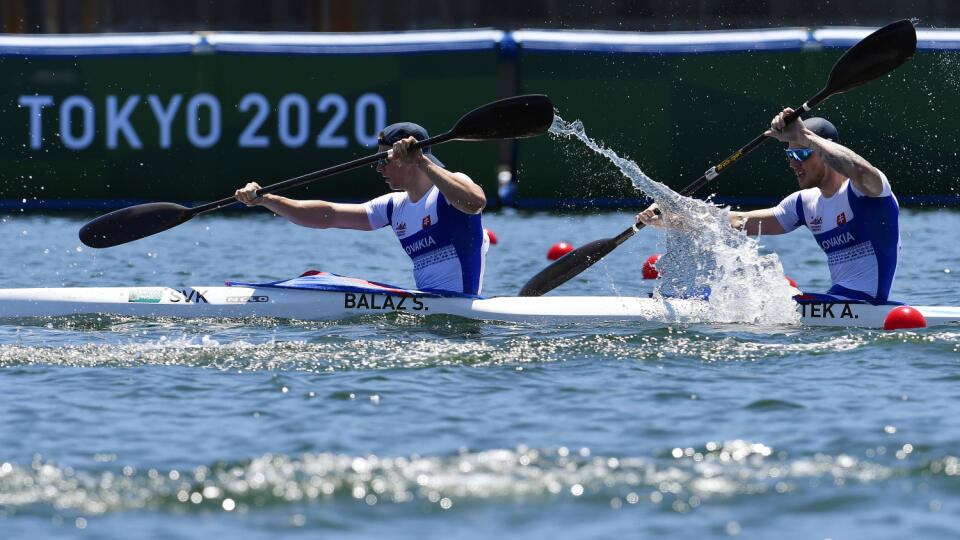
{"x": 799, "y": 154}
{"x": 382, "y": 162}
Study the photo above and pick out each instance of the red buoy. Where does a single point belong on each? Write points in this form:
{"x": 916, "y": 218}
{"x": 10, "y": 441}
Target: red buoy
{"x": 559, "y": 250}
{"x": 650, "y": 268}
{"x": 491, "y": 236}
{"x": 904, "y": 317}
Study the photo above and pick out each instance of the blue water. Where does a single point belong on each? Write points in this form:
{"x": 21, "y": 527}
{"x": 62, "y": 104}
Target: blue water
{"x": 404, "y": 427}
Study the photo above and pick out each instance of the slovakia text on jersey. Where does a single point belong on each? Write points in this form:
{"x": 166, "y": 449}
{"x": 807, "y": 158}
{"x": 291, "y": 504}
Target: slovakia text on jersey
{"x": 447, "y": 246}
{"x": 859, "y": 234}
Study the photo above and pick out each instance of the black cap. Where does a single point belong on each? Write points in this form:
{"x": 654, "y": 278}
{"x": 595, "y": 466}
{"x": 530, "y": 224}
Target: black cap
{"x": 402, "y": 130}
{"x": 823, "y": 128}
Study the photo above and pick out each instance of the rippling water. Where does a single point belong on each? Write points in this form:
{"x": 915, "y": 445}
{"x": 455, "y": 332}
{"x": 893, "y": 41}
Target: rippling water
{"x": 403, "y": 427}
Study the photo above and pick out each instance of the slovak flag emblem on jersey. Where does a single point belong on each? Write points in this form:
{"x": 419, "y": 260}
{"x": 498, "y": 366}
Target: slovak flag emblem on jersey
{"x": 842, "y": 218}
{"x": 426, "y": 222}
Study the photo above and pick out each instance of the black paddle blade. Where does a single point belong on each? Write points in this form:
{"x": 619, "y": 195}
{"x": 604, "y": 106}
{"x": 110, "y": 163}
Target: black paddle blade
{"x": 133, "y": 223}
{"x": 510, "y": 118}
{"x": 568, "y": 266}
{"x": 877, "y": 54}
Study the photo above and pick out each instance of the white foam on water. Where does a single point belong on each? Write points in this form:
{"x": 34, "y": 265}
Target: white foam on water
{"x": 705, "y": 253}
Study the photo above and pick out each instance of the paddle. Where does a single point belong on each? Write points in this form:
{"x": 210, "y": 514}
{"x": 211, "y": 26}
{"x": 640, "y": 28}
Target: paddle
{"x": 510, "y": 118}
{"x": 873, "y": 56}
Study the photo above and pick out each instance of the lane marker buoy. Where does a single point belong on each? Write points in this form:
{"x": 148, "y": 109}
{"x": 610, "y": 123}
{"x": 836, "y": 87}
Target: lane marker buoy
{"x": 558, "y": 250}
{"x": 650, "y": 267}
{"x": 904, "y": 317}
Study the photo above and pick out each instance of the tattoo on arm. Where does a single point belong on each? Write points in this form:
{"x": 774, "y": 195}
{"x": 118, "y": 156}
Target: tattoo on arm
{"x": 840, "y": 158}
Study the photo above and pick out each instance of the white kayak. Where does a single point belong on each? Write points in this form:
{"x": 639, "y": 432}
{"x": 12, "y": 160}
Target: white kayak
{"x": 302, "y": 304}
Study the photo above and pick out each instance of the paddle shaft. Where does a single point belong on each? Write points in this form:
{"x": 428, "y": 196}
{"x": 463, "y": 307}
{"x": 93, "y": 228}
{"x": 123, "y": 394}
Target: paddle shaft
{"x": 316, "y": 175}
{"x": 513, "y": 117}
{"x": 510, "y": 118}
{"x": 715, "y": 171}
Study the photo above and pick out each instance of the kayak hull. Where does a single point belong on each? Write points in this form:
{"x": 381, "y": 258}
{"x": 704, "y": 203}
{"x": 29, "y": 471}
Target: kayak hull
{"x": 244, "y": 302}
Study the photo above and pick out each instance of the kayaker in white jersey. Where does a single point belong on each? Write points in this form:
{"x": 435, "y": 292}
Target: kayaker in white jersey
{"x": 845, "y": 201}
{"x": 435, "y": 213}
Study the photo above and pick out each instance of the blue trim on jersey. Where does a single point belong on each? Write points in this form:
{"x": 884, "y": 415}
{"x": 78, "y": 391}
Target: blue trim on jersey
{"x": 818, "y": 298}
{"x": 883, "y": 232}
{"x": 390, "y": 212}
{"x": 801, "y": 219}
{"x": 875, "y": 222}
{"x": 843, "y": 296}
{"x": 860, "y": 296}
{"x": 466, "y": 234}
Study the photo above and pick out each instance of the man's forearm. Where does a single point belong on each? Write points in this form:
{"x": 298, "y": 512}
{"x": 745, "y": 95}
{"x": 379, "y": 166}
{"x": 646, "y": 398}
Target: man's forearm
{"x": 848, "y": 163}
{"x": 464, "y": 195}
{"x": 315, "y": 214}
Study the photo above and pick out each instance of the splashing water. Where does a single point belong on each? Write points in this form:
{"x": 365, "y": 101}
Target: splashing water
{"x": 705, "y": 254}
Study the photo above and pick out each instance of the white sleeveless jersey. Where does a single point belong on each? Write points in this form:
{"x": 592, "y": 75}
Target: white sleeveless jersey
{"x": 859, "y": 234}
{"x": 447, "y": 246}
